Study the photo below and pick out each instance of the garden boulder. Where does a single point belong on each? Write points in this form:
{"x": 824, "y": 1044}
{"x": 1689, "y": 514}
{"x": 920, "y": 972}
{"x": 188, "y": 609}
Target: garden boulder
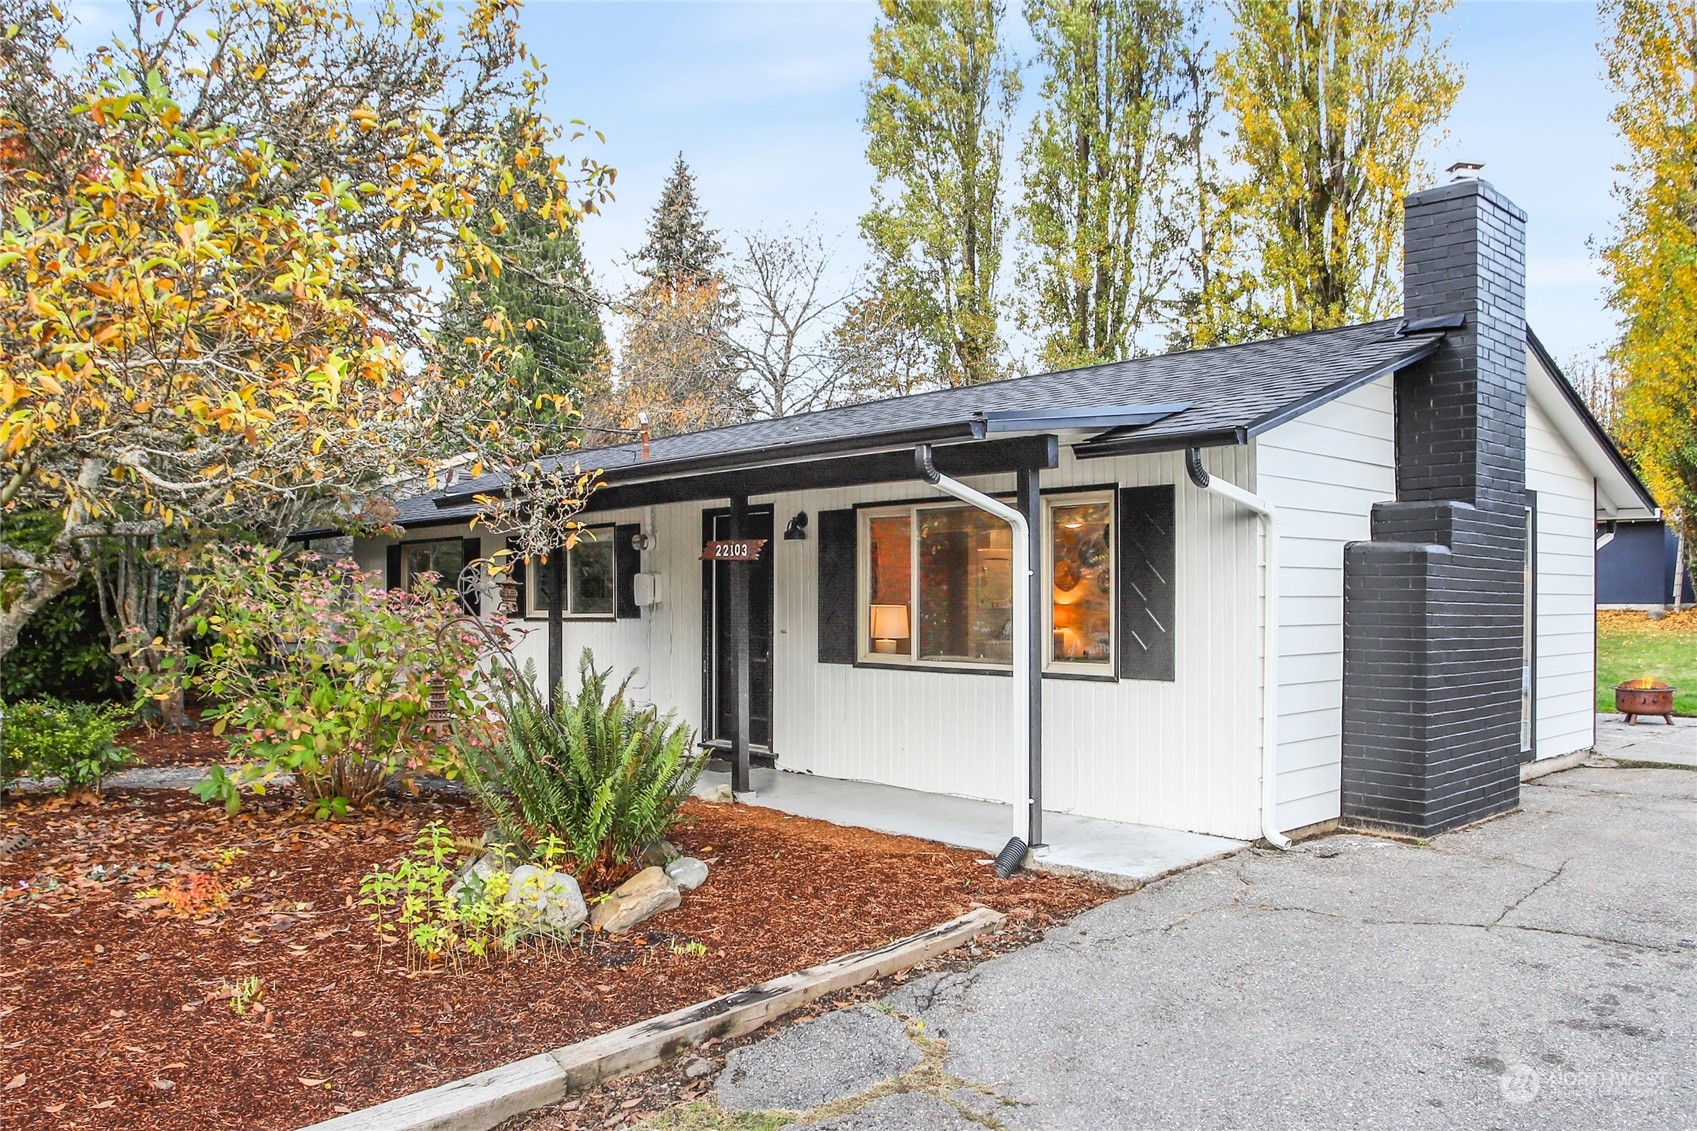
{"x": 546, "y": 898}
{"x": 687, "y": 872}
{"x": 644, "y": 895}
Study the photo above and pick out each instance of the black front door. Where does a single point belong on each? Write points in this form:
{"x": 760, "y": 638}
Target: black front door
{"x": 719, "y": 632}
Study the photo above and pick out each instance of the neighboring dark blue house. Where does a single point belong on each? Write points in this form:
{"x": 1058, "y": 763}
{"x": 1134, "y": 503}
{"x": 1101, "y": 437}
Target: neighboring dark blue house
{"x": 1636, "y": 566}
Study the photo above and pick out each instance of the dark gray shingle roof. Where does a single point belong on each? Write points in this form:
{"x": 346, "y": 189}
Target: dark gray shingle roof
{"x": 1240, "y": 389}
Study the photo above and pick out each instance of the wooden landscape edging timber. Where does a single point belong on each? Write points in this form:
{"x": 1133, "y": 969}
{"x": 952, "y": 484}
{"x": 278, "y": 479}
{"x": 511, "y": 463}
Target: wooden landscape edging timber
{"x": 480, "y": 1101}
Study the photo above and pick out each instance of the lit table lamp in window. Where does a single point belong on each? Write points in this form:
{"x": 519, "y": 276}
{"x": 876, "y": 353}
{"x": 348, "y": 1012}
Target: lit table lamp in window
{"x": 889, "y": 624}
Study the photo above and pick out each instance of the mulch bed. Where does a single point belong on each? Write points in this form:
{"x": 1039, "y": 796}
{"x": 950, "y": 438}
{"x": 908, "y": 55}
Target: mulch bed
{"x": 111, "y": 1014}
{"x": 158, "y": 747}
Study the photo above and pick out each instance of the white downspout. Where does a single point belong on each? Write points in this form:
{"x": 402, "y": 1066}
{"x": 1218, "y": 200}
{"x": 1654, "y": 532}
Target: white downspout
{"x": 1021, "y": 621}
{"x": 1269, "y": 641}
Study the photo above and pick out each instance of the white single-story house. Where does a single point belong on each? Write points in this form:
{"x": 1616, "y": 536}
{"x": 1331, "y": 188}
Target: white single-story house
{"x": 1347, "y": 574}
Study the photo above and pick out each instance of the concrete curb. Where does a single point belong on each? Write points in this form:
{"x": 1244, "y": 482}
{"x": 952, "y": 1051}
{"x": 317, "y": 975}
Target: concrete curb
{"x": 479, "y": 1102}
{"x": 1532, "y": 771}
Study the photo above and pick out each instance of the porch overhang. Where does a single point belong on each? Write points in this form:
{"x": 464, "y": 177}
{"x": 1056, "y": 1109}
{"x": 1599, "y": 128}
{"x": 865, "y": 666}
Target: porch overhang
{"x": 639, "y": 485}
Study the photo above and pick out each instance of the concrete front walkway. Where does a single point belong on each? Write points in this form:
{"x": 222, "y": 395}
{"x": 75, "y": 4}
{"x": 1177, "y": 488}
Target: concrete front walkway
{"x": 1536, "y": 971}
{"x": 1115, "y": 852}
{"x": 1649, "y": 740}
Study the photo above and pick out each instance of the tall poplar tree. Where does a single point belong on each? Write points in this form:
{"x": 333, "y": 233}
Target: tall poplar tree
{"x": 1099, "y": 165}
{"x": 1331, "y": 102}
{"x": 1651, "y": 55}
{"x": 937, "y": 111}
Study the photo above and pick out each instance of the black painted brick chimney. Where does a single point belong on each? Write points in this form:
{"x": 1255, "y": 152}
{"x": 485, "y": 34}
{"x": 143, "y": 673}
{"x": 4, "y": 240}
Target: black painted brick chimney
{"x": 1433, "y": 604}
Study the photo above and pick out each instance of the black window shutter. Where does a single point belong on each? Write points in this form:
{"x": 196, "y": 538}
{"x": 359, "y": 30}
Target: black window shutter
{"x": 627, "y": 563}
{"x": 392, "y": 571}
{"x": 1147, "y": 585}
{"x": 515, "y": 564}
{"x": 471, "y": 599}
{"x": 839, "y": 587}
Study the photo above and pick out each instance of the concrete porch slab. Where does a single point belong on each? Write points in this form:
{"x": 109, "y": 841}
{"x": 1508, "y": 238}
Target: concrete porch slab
{"x": 1117, "y": 853}
{"x": 1649, "y": 740}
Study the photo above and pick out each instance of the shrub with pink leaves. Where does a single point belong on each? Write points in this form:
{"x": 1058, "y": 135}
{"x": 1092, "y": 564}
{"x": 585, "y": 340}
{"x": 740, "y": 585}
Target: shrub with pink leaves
{"x": 317, "y": 670}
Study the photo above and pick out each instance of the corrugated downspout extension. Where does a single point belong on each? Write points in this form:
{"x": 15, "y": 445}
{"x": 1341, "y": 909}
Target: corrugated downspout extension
{"x": 1269, "y": 642}
{"x": 1021, "y": 632}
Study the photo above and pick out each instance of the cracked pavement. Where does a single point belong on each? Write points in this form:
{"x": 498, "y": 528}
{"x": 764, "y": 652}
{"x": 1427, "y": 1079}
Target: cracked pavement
{"x": 1536, "y": 970}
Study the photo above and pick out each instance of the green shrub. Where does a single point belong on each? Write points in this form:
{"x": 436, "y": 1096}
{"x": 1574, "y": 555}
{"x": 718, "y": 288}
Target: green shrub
{"x": 316, "y": 670}
{"x": 74, "y": 742}
{"x": 62, "y": 652}
{"x": 602, "y": 776}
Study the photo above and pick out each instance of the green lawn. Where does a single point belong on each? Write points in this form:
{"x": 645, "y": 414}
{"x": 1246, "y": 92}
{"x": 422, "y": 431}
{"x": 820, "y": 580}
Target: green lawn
{"x": 1626, "y": 653}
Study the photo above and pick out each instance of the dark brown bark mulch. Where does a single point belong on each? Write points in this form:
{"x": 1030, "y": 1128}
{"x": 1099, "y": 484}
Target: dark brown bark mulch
{"x": 157, "y": 746}
{"x": 111, "y": 1014}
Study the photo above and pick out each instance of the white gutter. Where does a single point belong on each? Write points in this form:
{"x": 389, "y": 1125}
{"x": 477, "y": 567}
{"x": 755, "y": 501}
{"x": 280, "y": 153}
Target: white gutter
{"x": 1021, "y": 623}
{"x": 1269, "y": 640}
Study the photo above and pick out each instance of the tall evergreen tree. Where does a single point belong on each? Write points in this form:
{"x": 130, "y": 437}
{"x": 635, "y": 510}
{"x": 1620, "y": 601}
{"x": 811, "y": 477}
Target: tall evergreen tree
{"x": 937, "y": 110}
{"x": 682, "y": 251}
{"x": 1098, "y": 169}
{"x": 541, "y": 304}
{"x": 1331, "y": 102}
{"x": 678, "y": 364}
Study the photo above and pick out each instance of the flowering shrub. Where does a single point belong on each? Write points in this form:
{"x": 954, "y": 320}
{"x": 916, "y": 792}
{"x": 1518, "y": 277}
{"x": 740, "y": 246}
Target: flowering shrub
{"x": 319, "y": 671}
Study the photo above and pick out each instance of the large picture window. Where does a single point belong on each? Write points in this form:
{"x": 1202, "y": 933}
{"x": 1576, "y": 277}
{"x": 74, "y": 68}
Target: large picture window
{"x": 938, "y": 585}
{"x": 1079, "y": 580}
{"x": 589, "y": 578}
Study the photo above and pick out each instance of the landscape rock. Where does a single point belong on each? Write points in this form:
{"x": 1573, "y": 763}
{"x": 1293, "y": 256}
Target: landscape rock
{"x": 715, "y": 794}
{"x": 550, "y": 898}
{"x": 697, "y": 1068}
{"x": 658, "y": 853}
{"x": 837, "y": 1055}
{"x": 482, "y": 866}
{"x": 644, "y": 895}
{"x": 687, "y": 872}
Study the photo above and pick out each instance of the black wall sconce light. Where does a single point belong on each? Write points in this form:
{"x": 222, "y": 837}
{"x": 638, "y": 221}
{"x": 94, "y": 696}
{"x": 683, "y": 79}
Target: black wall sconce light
{"x": 796, "y": 531}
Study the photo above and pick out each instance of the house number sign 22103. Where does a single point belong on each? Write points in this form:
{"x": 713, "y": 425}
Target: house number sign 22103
{"x": 733, "y": 550}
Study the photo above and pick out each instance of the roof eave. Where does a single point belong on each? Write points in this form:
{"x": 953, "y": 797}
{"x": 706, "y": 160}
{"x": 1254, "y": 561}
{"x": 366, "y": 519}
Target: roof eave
{"x": 754, "y": 459}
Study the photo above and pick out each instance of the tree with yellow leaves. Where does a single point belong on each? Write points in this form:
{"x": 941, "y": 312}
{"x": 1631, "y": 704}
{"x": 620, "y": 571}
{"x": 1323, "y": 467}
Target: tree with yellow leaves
{"x": 213, "y": 313}
{"x": 1651, "y": 55}
{"x": 1330, "y": 102}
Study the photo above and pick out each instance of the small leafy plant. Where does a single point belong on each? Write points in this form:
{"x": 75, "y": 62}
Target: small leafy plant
{"x": 600, "y": 775}
{"x": 441, "y": 917}
{"x": 73, "y": 742}
{"x": 246, "y": 995}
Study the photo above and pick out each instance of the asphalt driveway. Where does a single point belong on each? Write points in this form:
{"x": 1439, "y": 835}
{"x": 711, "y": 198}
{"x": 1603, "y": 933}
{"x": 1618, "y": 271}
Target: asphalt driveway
{"x": 1539, "y": 970}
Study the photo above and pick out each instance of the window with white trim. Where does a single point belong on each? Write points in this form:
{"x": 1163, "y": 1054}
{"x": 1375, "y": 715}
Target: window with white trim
{"x": 589, "y": 577}
{"x": 937, "y": 585}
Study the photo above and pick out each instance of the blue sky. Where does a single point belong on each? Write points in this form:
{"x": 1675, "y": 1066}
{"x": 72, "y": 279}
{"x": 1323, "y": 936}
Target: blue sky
{"x": 764, "y": 100}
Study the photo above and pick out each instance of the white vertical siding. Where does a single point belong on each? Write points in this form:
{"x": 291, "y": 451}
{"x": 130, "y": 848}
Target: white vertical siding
{"x": 661, "y": 645}
{"x": 1324, "y": 471}
{"x": 1179, "y": 754}
{"x": 1565, "y": 668}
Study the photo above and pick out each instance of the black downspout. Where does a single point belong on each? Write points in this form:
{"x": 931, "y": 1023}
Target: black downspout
{"x": 556, "y": 625}
{"x": 741, "y": 577}
{"x": 1030, "y": 504}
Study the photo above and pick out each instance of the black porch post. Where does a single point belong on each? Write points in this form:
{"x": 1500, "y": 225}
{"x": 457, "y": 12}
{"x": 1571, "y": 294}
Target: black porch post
{"x": 742, "y": 574}
{"x": 556, "y": 624}
{"x": 1030, "y": 504}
